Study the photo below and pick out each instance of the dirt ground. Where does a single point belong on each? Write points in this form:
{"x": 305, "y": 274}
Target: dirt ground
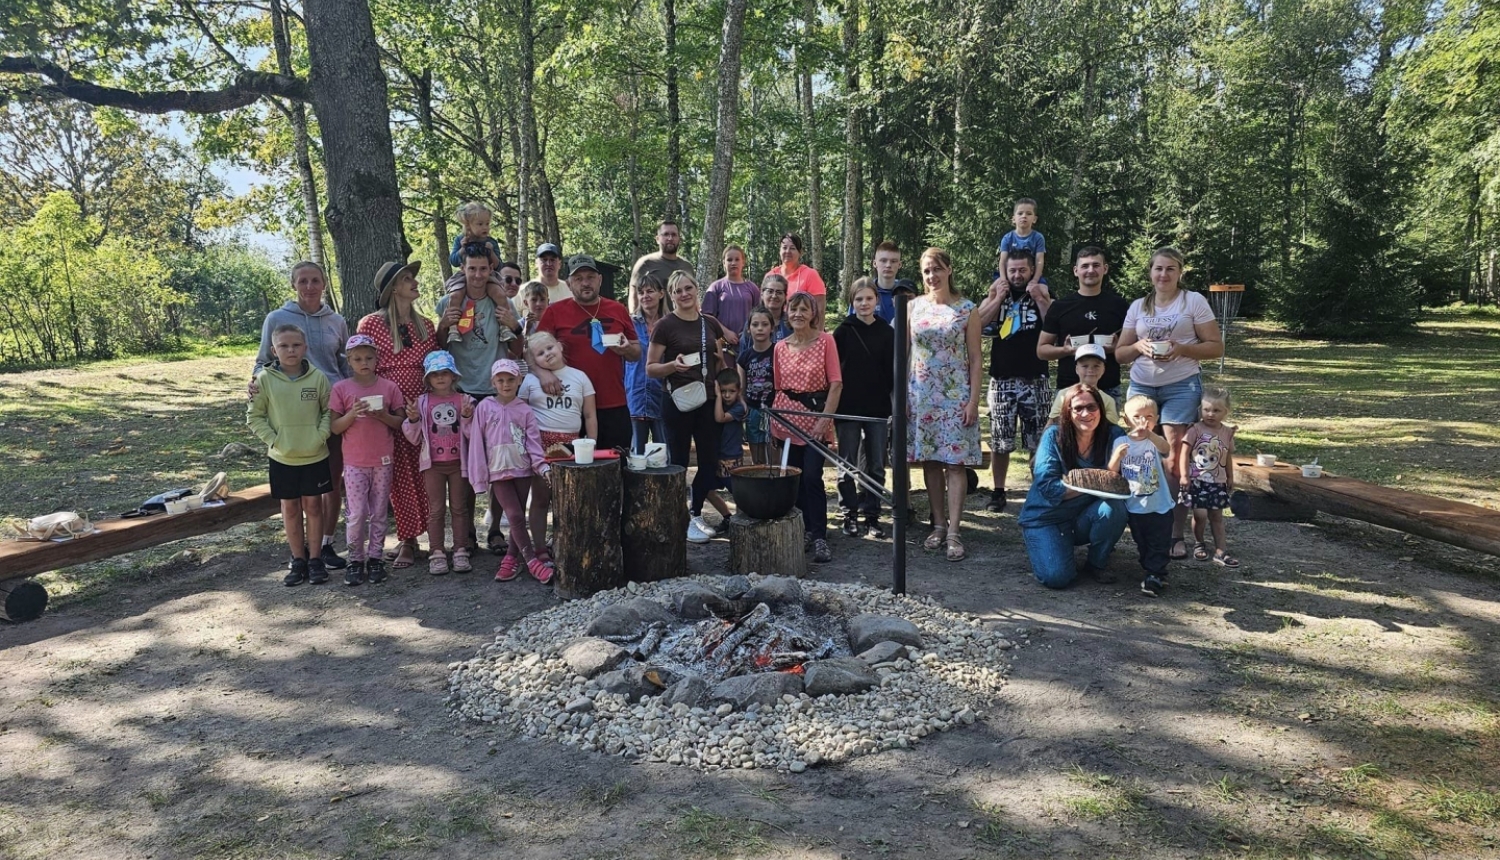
{"x": 1334, "y": 698}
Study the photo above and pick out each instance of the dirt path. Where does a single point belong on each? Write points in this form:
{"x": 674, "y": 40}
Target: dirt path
{"x": 1327, "y": 701}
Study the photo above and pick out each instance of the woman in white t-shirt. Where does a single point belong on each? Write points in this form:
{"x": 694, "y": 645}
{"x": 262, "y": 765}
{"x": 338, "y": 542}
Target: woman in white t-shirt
{"x": 1165, "y": 336}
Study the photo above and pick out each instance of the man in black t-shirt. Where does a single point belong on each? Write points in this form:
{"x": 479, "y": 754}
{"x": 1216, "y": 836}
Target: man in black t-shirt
{"x": 1092, "y": 312}
{"x": 1019, "y": 392}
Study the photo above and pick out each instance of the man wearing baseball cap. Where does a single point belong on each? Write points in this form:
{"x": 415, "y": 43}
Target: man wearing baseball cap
{"x": 597, "y": 337}
{"x": 549, "y": 263}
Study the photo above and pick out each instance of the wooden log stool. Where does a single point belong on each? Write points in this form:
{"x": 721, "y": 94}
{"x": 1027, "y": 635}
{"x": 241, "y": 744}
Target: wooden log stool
{"x": 22, "y": 600}
{"x": 586, "y": 542}
{"x": 771, "y": 547}
{"x": 654, "y": 522}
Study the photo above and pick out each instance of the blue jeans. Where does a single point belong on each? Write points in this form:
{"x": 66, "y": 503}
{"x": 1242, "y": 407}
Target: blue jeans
{"x": 1176, "y": 403}
{"x": 641, "y": 428}
{"x": 1050, "y": 547}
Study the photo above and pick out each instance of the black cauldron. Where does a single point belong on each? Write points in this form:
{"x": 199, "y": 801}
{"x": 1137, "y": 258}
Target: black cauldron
{"x": 765, "y": 492}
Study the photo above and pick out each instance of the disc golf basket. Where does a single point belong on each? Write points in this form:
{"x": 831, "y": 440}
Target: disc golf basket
{"x": 1225, "y": 300}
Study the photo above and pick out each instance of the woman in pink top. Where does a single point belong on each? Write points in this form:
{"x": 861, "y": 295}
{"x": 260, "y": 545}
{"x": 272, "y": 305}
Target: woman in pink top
{"x": 800, "y": 278}
{"x": 808, "y": 379}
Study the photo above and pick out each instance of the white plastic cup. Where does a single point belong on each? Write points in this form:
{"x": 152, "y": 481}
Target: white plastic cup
{"x": 177, "y": 506}
{"x": 1265, "y": 459}
{"x": 692, "y": 359}
{"x": 1160, "y": 348}
{"x": 612, "y": 339}
{"x": 1312, "y": 470}
{"x": 583, "y": 451}
{"x": 194, "y": 502}
{"x": 636, "y": 462}
{"x": 374, "y": 402}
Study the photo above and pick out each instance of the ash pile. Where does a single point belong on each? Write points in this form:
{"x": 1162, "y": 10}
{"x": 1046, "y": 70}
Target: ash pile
{"x": 737, "y": 672}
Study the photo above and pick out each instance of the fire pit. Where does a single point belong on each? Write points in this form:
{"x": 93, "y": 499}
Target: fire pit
{"x": 736, "y": 672}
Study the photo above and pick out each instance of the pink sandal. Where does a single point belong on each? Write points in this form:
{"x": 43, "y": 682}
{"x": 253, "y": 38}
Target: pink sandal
{"x": 540, "y": 569}
{"x": 507, "y": 570}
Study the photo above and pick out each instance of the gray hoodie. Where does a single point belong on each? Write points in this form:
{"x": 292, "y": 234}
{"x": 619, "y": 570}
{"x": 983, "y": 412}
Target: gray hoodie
{"x": 326, "y": 333}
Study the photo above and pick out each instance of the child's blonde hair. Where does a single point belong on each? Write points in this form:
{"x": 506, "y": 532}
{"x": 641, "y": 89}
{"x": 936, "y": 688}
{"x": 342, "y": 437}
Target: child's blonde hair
{"x": 471, "y": 210}
{"x": 1217, "y": 394}
{"x": 1138, "y": 402}
{"x": 542, "y": 338}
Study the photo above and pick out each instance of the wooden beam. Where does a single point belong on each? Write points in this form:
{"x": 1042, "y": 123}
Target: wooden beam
{"x": 27, "y": 558}
{"x": 1463, "y": 525}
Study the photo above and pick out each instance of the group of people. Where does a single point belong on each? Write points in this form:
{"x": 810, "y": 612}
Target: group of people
{"x": 421, "y": 416}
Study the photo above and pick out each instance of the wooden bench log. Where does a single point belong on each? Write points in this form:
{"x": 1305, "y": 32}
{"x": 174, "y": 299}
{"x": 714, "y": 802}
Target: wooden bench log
{"x": 653, "y": 525}
{"x": 771, "y": 547}
{"x": 586, "y": 505}
{"x": 1456, "y": 523}
{"x": 114, "y": 537}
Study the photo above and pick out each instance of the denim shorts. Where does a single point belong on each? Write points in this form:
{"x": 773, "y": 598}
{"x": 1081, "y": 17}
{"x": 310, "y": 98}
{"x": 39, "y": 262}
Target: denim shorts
{"x": 757, "y": 426}
{"x": 1178, "y": 402}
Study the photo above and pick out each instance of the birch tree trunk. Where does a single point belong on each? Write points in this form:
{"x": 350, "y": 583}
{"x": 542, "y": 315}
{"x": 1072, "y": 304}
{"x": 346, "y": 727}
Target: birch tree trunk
{"x": 853, "y": 212}
{"x": 296, "y": 114}
{"x": 711, "y": 245}
{"x": 814, "y": 186}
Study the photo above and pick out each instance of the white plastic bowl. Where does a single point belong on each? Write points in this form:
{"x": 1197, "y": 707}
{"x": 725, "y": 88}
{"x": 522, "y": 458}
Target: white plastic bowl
{"x": 1312, "y": 470}
{"x": 1265, "y": 459}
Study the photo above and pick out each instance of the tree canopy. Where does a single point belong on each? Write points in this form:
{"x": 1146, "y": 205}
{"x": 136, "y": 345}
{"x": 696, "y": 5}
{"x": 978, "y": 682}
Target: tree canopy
{"x": 1339, "y": 157}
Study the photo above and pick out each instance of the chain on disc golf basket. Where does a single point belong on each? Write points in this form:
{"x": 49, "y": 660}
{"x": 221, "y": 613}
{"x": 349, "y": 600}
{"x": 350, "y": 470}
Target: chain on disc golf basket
{"x": 1225, "y": 300}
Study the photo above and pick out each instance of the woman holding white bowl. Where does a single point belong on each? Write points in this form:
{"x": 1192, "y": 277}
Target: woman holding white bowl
{"x": 1167, "y": 333}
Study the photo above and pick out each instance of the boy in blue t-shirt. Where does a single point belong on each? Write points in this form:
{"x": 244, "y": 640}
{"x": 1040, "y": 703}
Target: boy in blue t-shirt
{"x": 1024, "y": 238}
{"x": 729, "y": 411}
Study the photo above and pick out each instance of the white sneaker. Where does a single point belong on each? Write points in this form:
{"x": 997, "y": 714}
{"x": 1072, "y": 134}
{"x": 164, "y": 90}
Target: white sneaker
{"x": 698, "y": 531}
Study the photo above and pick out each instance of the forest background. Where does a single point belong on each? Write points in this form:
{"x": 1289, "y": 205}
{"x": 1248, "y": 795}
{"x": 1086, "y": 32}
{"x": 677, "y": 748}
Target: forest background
{"x": 1341, "y": 158}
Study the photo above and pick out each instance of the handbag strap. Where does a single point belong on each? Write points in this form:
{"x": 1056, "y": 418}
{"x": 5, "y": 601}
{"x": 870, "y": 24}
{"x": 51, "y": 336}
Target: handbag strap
{"x": 703, "y": 348}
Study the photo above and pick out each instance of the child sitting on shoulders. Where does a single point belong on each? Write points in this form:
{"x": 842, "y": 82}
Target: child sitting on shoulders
{"x": 289, "y": 412}
{"x": 1089, "y": 359}
{"x": 368, "y": 433}
{"x": 506, "y": 460}
{"x": 476, "y": 219}
{"x": 437, "y": 424}
{"x": 1206, "y": 469}
{"x": 729, "y": 411}
{"x": 1138, "y": 458}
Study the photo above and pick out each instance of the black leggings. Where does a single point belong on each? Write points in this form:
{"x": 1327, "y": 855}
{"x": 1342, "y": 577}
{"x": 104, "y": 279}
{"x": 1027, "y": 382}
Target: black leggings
{"x": 697, "y": 428}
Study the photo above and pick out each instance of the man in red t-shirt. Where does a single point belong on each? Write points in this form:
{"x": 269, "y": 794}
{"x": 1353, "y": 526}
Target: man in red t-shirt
{"x": 597, "y": 337}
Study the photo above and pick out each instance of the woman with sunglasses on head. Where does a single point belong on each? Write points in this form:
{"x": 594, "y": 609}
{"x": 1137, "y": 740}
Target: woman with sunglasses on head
{"x": 1054, "y": 518}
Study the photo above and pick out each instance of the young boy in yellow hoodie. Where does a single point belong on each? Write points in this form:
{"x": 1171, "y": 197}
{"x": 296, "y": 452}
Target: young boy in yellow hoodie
{"x": 290, "y": 414}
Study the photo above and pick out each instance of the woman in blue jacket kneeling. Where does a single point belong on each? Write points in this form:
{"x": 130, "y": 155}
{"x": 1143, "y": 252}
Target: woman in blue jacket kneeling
{"x": 1055, "y": 519}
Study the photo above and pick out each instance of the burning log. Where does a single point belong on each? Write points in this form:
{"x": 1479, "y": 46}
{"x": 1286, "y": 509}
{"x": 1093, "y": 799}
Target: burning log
{"x": 724, "y": 646}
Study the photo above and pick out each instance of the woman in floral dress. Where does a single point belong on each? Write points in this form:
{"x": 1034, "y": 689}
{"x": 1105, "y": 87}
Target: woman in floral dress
{"x": 402, "y": 340}
{"x": 944, "y": 397}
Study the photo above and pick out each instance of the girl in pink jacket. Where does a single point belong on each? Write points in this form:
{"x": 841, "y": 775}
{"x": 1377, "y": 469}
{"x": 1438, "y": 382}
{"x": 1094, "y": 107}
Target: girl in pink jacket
{"x": 505, "y": 452}
{"x": 437, "y": 423}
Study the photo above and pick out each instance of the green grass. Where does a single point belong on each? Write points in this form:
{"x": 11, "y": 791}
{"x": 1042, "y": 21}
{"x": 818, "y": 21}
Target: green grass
{"x": 1420, "y": 414}
{"x": 704, "y": 833}
{"x": 1447, "y": 802}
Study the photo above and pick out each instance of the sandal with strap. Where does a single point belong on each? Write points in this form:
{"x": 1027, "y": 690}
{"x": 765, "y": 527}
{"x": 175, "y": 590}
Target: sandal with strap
{"x": 542, "y": 570}
{"x": 1174, "y": 554}
{"x": 406, "y": 556}
{"x": 507, "y": 570}
{"x": 1200, "y": 551}
{"x": 955, "y": 548}
{"x": 1224, "y": 559}
{"x": 935, "y": 540}
{"x": 461, "y": 561}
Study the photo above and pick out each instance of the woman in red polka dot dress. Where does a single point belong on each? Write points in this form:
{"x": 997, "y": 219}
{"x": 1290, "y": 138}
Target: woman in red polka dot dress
{"x": 402, "y": 340}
